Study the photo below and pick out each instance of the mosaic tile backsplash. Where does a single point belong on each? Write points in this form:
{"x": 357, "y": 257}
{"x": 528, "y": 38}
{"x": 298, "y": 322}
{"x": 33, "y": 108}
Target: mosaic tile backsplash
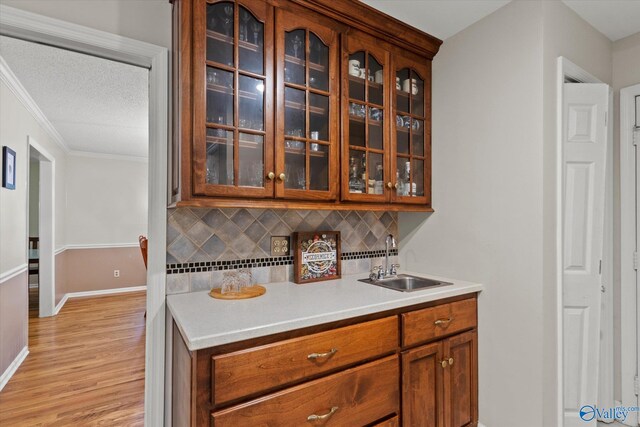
{"x": 202, "y": 242}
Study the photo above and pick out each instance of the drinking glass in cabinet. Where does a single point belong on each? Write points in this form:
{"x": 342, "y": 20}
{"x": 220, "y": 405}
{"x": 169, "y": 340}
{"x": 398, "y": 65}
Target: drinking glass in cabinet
{"x": 219, "y": 157}
{"x": 357, "y": 173}
{"x": 220, "y": 27}
{"x": 251, "y": 51}
{"x": 403, "y": 177}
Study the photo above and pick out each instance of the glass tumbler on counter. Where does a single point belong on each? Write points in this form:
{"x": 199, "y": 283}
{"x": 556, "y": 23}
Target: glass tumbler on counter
{"x": 230, "y": 283}
{"x": 244, "y": 278}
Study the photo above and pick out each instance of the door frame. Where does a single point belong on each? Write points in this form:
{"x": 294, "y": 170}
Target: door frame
{"x": 565, "y": 70}
{"x": 37, "y": 28}
{"x": 629, "y": 305}
{"x": 46, "y": 228}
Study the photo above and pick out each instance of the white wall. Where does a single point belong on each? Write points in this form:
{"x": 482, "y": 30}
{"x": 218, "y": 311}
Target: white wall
{"x": 494, "y": 192}
{"x": 487, "y": 195}
{"x": 16, "y": 123}
{"x": 106, "y": 200}
{"x": 144, "y": 20}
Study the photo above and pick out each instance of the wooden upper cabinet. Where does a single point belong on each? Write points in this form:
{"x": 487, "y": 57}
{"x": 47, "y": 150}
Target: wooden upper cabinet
{"x": 293, "y": 103}
{"x": 307, "y": 93}
{"x": 233, "y": 98}
{"x": 411, "y": 148}
{"x": 366, "y": 79}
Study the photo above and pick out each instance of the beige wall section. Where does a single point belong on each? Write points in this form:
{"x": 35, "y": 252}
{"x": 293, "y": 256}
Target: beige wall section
{"x": 14, "y": 319}
{"x": 16, "y": 124}
{"x": 626, "y": 72}
{"x": 564, "y": 33}
{"x": 137, "y": 19}
{"x": 487, "y": 193}
{"x": 34, "y": 201}
{"x": 106, "y": 200}
{"x": 92, "y": 269}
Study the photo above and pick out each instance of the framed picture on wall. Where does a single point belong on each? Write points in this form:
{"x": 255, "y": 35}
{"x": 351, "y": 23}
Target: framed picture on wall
{"x": 316, "y": 256}
{"x": 8, "y": 168}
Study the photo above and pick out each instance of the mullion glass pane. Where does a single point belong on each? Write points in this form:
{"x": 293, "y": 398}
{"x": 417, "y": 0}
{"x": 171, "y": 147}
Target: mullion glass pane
{"x": 403, "y": 176}
{"x": 356, "y": 76}
{"x": 295, "y": 118}
{"x": 220, "y": 28}
{"x": 376, "y": 134}
{"x": 251, "y": 109}
{"x": 219, "y": 157}
{"x": 251, "y": 46}
{"x": 403, "y": 123}
{"x": 319, "y": 167}
{"x": 219, "y": 96}
{"x": 295, "y": 165}
{"x": 251, "y": 159}
{"x": 375, "y": 183}
{"x": 319, "y": 63}
{"x": 357, "y": 124}
{"x": 375, "y": 81}
{"x": 417, "y": 95}
{"x": 357, "y": 172}
{"x": 417, "y": 187}
{"x": 417, "y": 137}
{"x": 318, "y": 117}
{"x": 295, "y": 57}
{"x": 402, "y": 95}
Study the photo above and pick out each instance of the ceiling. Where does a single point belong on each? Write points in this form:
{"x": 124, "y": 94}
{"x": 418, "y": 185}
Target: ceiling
{"x": 444, "y": 18}
{"x": 97, "y": 105}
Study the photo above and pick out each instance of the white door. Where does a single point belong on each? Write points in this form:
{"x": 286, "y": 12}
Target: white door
{"x": 636, "y": 143}
{"x": 585, "y": 147}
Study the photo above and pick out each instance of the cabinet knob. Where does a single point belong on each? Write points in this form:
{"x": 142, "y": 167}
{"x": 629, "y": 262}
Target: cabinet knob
{"x": 282, "y": 176}
{"x": 450, "y": 361}
{"x": 444, "y": 363}
{"x": 389, "y": 185}
{"x": 271, "y": 176}
{"x": 395, "y": 185}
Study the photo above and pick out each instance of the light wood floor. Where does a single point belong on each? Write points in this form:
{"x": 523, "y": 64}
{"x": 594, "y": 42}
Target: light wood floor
{"x": 85, "y": 366}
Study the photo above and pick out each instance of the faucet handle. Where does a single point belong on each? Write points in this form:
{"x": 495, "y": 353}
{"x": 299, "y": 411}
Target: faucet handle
{"x": 394, "y": 269}
{"x": 381, "y": 272}
{"x": 374, "y": 272}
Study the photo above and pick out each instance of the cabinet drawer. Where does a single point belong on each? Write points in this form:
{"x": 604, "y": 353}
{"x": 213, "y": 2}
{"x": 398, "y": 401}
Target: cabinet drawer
{"x": 391, "y": 422}
{"x": 433, "y": 322}
{"x": 356, "y": 396}
{"x": 262, "y": 368}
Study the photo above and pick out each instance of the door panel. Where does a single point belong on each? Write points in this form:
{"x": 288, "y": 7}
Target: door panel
{"x": 460, "y": 387}
{"x": 422, "y": 383}
{"x": 585, "y": 142}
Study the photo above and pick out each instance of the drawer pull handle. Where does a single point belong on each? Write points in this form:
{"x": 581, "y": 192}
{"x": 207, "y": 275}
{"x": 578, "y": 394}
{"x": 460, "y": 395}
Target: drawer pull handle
{"x": 331, "y": 352}
{"x": 443, "y": 322}
{"x": 315, "y": 417}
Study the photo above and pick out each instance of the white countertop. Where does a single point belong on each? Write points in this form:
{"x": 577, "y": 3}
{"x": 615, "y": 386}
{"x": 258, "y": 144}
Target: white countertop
{"x": 207, "y": 322}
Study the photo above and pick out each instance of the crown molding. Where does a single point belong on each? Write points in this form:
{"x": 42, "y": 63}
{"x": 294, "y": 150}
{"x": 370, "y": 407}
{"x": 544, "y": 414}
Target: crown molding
{"x": 9, "y": 78}
{"x": 105, "y": 156}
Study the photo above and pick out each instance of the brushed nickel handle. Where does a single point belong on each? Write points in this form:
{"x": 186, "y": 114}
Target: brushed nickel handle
{"x": 450, "y": 361}
{"x": 444, "y": 363}
{"x": 271, "y": 176}
{"x": 389, "y": 185}
{"x": 315, "y": 417}
{"x": 331, "y": 352}
{"x": 282, "y": 176}
{"x": 443, "y": 321}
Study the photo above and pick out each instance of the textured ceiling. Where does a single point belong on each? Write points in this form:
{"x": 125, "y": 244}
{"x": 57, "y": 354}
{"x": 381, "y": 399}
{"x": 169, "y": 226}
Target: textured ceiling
{"x": 615, "y": 19}
{"x": 439, "y": 18}
{"x": 96, "y": 105}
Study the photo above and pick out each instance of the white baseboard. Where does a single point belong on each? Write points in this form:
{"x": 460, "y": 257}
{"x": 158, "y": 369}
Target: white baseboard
{"x": 13, "y": 367}
{"x": 97, "y": 293}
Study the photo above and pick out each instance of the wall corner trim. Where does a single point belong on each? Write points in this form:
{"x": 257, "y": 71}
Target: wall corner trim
{"x": 10, "y": 79}
{"x": 13, "y": 367}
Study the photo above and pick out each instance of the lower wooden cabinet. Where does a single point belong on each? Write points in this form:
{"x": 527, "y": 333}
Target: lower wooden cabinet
{"x": 439, "y": 383}
{"x": 365, "y": 372}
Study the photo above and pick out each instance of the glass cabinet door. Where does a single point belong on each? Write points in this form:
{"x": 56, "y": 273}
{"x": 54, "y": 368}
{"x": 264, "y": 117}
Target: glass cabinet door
{"x": 233, "y": 153}
{"x": 365, "y": 174}
{"x": 411, "y": 159}
{"x": 307, "y": 139}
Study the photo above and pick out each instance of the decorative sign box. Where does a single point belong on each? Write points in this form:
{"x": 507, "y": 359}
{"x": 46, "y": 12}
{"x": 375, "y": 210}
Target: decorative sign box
{"x": 316, "y": 256}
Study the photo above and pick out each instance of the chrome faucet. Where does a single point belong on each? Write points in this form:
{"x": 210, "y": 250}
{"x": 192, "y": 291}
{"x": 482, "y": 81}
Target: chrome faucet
{"x": 389, "y": 271}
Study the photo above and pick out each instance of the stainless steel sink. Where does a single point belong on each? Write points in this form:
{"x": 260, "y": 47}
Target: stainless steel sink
{"x": 406, "y": 283}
